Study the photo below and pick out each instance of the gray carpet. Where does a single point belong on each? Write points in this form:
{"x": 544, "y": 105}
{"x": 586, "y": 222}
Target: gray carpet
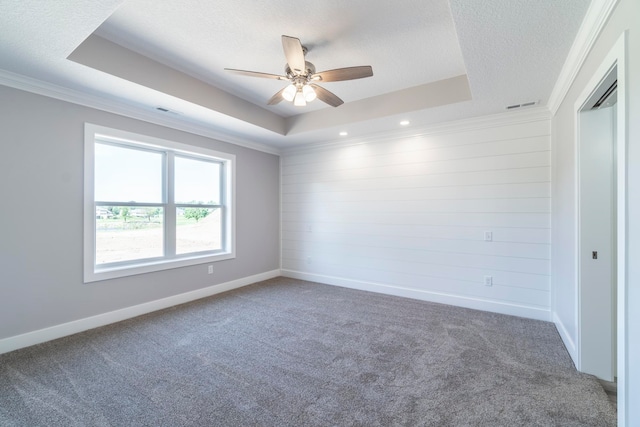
{"x": 286, "y": 352}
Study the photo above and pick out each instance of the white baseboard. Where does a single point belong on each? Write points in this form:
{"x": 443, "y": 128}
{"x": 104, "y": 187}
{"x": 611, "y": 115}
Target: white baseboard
{"x": 460, "y": 301}
{"x": 566, "y": 339}
{"x": 70, "y": 328}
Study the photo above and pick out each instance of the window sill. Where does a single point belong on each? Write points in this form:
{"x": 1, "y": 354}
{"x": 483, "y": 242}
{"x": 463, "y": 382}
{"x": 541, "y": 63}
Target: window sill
{"x": 105, "y": 273}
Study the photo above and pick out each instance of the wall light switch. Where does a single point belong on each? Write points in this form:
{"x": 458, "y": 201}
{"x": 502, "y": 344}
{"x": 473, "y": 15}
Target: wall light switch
{"x": 488, "y": 280}
{"x": 488, "y": 236}
{"x": 210, "y": 269}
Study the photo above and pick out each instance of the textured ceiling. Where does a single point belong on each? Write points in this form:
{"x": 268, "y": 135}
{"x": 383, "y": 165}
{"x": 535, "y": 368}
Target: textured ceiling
{"x": 433, "y": 61}
{"x": 245, "y": 34}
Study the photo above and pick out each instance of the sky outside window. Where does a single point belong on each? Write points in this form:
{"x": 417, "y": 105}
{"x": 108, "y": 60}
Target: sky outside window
{"x": 196, "y": 181}
{"x": 127, "y": 175}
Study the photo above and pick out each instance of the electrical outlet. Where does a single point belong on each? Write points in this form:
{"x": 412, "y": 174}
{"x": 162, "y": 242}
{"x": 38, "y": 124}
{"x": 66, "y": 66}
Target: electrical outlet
{"x": 488, "y": 236}
{"x": 308, "y": 260}
{"x": 210, "y": 269}
{"x": 488, "y": 280}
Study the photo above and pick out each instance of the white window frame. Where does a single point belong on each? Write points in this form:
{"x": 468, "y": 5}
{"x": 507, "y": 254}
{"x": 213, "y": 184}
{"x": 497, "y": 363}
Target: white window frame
{"x": 93, "y": 272}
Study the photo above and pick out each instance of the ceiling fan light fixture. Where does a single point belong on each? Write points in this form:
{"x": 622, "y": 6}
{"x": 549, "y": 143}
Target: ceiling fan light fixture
{"x": 309, "y": 93}
{"x": 299, "y": 100}
{"x": 289, "y": 92}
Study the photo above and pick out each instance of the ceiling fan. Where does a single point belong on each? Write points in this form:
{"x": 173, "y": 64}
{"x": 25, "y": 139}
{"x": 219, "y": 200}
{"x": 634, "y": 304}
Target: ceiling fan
{"x": 302, "y": 77}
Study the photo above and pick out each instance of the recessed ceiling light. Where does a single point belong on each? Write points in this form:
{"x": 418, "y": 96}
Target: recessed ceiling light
{"x": 343, "y": 133}
{"x": 405, "y": 122}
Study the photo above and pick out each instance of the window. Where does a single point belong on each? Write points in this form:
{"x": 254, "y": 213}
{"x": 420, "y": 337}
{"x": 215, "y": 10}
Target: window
{"x": 152, "y": 204}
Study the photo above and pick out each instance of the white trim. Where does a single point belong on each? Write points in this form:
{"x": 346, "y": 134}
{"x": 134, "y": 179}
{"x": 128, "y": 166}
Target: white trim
{"x": 597, "y": 15}
{"x": 50, "y": 90}
{"x": 280, "y": 222}
{"x": 437, "y": 297}
{"x": 576, "y": 232}
{"x": 73, "y": 327}
{"x": 622, "y": 220}
{"x": 615, "y": 57}
{"x": 566, "y": 337}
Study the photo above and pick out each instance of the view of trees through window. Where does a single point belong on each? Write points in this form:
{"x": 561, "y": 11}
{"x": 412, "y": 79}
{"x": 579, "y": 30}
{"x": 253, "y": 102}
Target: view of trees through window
{"x": 124, "y": 233}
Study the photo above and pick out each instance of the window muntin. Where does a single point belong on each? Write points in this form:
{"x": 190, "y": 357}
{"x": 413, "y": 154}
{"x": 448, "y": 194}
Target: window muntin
{"x": 152, "y": 204}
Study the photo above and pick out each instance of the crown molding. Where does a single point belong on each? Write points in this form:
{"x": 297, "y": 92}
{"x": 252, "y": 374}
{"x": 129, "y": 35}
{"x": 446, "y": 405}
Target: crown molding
{"x": 534, "y": 114}
{"x": 50, "y": 90}
{"x": 596, "y": 17}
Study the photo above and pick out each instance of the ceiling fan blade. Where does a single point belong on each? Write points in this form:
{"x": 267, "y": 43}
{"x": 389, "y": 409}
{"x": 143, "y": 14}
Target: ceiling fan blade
{"x": 340, "y": 74}
{"x": 256, "y": 74}
{"x": 294, "y": 54}
{"x": 326, "y": 96}
{"x": 275, "y": 99}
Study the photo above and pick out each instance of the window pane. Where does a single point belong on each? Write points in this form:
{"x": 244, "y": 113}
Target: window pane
{"x": 197, "y": 181}
{"x": 127, "y": 233}
{"x": 127, "y": 175}
{"x": 198, "y": 229}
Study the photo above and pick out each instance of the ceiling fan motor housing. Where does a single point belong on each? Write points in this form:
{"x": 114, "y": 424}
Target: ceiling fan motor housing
{"x": 310, "y": 70}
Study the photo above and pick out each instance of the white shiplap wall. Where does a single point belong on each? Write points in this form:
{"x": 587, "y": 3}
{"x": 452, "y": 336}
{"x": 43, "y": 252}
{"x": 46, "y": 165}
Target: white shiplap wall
{"x": 407, "y": 215}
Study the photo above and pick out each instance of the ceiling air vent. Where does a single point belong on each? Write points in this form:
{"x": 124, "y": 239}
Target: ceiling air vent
{"x": 524, "y": 104}
{"x": 166, "y": 110}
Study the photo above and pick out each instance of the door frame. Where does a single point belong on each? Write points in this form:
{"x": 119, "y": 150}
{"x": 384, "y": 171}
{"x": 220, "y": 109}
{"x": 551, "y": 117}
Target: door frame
{"x": 616, "y": 58}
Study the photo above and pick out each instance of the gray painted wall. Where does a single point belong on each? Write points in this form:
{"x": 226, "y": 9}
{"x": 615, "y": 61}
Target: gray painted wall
{"x": 41, "y": 189}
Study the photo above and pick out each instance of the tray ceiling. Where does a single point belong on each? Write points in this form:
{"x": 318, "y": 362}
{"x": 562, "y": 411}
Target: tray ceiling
{"x": 433, "y": 61}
